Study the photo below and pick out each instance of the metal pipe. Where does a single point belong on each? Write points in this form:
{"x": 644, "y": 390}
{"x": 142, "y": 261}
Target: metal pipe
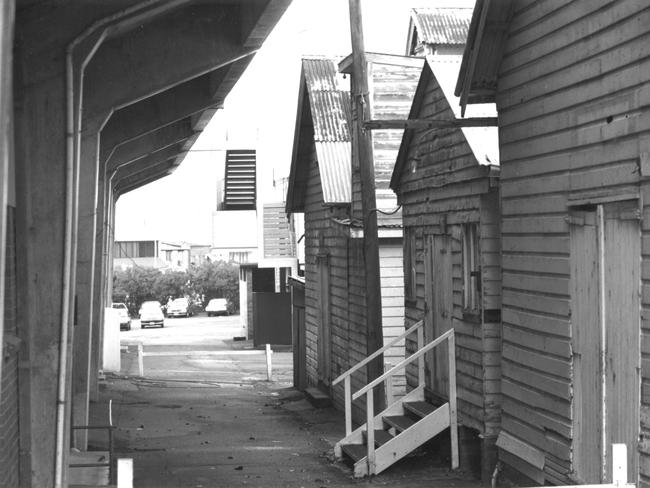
{"x": 70, "y": 226}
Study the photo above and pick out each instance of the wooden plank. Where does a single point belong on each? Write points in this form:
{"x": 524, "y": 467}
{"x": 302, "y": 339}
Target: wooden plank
{"x": 431, "y": 124}
{"x": 519, "y": 448}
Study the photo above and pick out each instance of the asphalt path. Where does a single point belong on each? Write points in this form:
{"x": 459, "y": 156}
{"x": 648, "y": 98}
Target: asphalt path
{"x": 203, "y": 415}
{"x": 202, "y": 348}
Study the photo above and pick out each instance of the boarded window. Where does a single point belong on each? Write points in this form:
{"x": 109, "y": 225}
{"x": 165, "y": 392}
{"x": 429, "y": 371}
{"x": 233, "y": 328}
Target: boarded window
{"x": 410, "y": 259}
{"x": 471, "y": 268}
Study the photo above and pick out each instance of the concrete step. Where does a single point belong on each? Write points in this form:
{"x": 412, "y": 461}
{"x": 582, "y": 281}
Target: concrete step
{"x": 318, "y": 398}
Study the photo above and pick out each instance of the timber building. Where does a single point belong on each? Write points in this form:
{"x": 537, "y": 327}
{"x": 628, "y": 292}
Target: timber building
{"x": 323, "y": 186}
{"x": 447, "y": 184}
{"x": 570, "y": 82}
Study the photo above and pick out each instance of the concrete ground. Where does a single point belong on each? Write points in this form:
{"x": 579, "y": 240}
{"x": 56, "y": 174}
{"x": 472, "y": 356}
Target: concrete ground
{"x": 207, "y": 417}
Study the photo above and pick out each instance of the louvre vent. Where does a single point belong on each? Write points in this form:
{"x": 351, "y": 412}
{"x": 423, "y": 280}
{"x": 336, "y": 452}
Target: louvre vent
{"x": 240, "y": 184}
{"x": 278, "y": 239}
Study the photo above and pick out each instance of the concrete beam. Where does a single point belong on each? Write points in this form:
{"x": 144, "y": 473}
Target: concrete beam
{"x": 160, "y": 110}
{"x": 146, "y": 176}
{"x": 172, "y": 134}
{"x": 178, "y": 47}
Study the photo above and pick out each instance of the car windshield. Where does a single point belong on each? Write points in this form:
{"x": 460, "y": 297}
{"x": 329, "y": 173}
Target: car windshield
{"x": 119, "y": 305}
{"x": 150, "y": 305}
{"x": 217, "y": 301}
{"x": 180, "y": 301}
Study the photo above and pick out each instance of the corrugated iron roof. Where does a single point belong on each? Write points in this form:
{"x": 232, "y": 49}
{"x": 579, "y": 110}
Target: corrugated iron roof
{"x": 329, "y": 102}
{"x": 442, "y": 25}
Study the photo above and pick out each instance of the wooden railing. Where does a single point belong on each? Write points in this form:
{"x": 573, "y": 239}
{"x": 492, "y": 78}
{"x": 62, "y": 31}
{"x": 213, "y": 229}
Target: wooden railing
{"x": 368, "y": 390}
{"x": 417, "y": 327}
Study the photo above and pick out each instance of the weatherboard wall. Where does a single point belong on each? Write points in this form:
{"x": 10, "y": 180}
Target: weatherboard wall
{"x": 574, "y": 131}
{"x": 441, "y": 187}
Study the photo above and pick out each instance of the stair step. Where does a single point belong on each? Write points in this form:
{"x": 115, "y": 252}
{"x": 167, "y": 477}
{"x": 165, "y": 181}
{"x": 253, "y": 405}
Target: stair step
{"x": 355, "y": 451}
{"x": 381, "y": 437}
{"x": 400, "y": 422}
{"x": 318, "y": 398}
{"x": 421, "y": 409}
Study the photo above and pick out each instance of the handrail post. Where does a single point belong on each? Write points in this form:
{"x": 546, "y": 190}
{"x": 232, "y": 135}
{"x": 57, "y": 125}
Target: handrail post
{"x": 421, "y": 358}
{"x": 453, "y": 413}
{"x": 390, "y": 394}
{"x": 370, "y": 430}
{"x": 348, "y": 406}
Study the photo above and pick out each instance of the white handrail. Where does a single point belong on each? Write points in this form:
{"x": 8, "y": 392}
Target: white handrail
{"x": 377, "y": 352}
{"x": 403, "y": 363}
{"x": 368, "y": 390}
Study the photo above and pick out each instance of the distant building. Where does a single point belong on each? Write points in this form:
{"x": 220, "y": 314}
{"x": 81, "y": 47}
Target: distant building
{"x": 250, "y": 228}
{"x": 166, "y": 256}
{"x": 234, "y": 223}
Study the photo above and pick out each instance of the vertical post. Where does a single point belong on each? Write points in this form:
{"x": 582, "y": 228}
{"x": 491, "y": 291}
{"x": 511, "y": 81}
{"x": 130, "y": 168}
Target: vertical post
{"x": 362, "y": 153}
{"x": 390, "y": 396}
{"x": 125, "y": 473}
{"x": 421, "y": 358}
{"x": 269, "y": 364}
{"x": 140, "y": 360}
{"x": 619, "y": 464}
{"x": 348, "y": 406}
{"x": 453, "y": 413}
{"x": 600, "y": 215}
{"x": 370, "y": 430}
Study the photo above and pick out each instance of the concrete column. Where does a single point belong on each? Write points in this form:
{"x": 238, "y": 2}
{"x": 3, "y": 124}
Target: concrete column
{"x": 99, "y": 276}
{"x": 41, "y": 244}
{"x": 84, "y": 285}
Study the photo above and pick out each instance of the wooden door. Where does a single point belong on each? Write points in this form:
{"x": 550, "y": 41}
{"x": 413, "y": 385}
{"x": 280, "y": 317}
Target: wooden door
{"x": 439, "y": 309}
{"x": 324, "y": 329}
{"x": 605, "y": 271}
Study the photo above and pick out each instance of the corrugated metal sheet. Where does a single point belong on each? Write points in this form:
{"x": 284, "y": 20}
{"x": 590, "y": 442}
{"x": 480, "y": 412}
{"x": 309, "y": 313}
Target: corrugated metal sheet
{"x": 329, "y": 101}
{"x": 442, "y": 25}
{"x": 335, "y": 168}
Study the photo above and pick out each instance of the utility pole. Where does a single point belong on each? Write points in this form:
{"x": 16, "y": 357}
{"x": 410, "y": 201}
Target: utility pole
{"x": 363, "y": 153}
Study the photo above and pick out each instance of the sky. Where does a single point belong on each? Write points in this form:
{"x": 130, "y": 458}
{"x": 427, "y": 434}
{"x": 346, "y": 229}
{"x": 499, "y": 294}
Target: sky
{"x": 259, "y": 111}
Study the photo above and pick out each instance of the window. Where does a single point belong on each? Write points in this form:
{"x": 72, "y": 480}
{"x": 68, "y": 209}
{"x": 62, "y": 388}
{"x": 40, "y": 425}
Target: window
{"x": 471, "y": 268}
{"x": 410, "y": 262}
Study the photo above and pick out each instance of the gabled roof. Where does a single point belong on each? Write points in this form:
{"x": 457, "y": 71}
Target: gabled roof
{"x": 483, "y": 141}
{"x": 441, "y": 25}
{"x": 486, "y": 40}
{"x": 438, "y": 26}
{"x": 325, "y": 101}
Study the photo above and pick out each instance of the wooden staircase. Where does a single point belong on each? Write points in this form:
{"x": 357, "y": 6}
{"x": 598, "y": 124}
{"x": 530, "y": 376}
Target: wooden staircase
{"x": 406, "y": 423}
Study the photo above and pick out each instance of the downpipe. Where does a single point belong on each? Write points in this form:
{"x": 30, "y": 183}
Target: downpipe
{"x": 71, "y": 211}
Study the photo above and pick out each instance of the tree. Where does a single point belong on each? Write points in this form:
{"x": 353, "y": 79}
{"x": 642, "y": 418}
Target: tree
{"x": 136, "y": 285}
{"x": 216, "y": 279}
{"x": 203, "y": 282}
{"x": 172, "y": 284}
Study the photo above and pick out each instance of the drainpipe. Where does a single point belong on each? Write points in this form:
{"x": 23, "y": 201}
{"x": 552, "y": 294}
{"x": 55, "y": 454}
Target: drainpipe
{"x": 73, "y": 135}
{"x": 72, "y": 160}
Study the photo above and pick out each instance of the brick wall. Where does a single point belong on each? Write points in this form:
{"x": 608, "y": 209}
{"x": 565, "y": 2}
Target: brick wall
{"x": 9, "y": 429}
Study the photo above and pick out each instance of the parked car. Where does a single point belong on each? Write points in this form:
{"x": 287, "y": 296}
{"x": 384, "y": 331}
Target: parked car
{"x": 217, "y": 306}
{"x": 123, "y": 314}
{"x": 179, "y": 307}
{"x": 151, "y": 314}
